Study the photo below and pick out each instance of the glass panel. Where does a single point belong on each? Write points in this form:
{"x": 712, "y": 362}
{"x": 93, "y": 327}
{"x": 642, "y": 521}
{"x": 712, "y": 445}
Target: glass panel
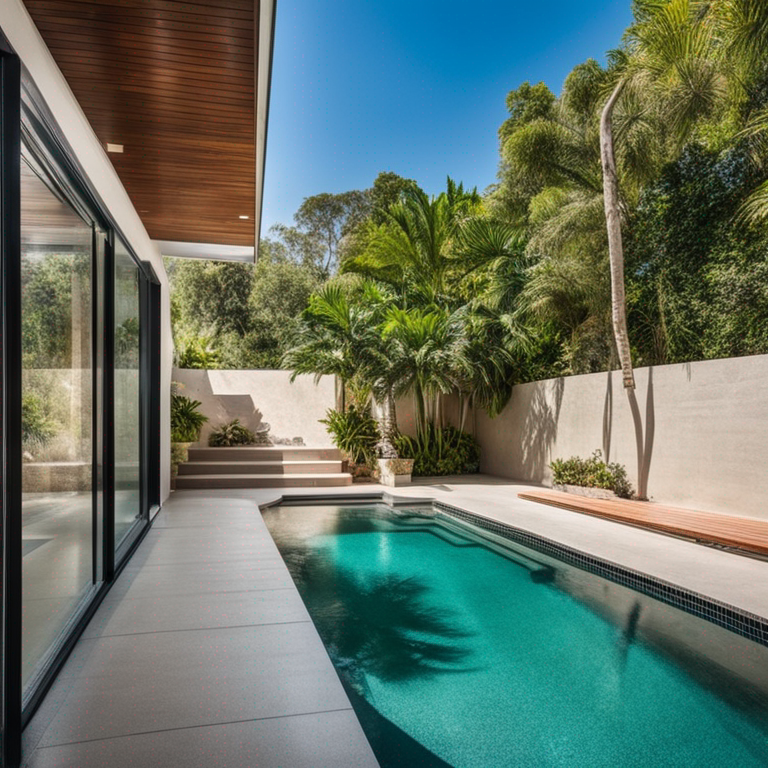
{"x": 98, "y": 399}
{"x": 127, "y": 412}
{"x": 57, "y": 381}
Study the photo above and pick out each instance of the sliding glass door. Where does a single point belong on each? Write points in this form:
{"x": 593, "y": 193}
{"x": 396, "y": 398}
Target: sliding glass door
{"x": 127, "y": 404}
{"x": 57, "y": 414}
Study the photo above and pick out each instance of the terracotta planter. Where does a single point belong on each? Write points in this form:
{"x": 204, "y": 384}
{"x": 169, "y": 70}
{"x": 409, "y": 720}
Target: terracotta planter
{"x": 394, "y": 472}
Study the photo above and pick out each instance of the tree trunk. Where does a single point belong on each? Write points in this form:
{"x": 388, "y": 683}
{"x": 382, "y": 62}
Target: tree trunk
{"x": 463, "y": 411}
{"x": 385, "y": 448}
{"x": 615, "y": 246}
{"x": 421, "y": 408}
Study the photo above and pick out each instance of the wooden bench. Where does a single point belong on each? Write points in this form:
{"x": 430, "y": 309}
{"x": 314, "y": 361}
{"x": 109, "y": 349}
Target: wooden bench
{"x": 743, "y": 533}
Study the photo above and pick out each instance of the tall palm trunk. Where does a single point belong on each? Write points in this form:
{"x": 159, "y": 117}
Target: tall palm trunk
{"x": 619, "y": 303}
{"x": 385, "y": 448}
{"x": 615, "y": 245}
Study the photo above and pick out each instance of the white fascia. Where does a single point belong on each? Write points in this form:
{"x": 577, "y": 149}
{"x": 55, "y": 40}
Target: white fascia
{"x": 265, "y": 43}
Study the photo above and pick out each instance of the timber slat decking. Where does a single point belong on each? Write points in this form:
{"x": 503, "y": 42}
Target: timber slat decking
{"x": 743, "y": 533}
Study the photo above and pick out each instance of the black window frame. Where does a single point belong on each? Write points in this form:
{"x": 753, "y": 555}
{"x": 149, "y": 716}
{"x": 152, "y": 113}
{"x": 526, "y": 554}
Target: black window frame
{"x": 10, "y": 253}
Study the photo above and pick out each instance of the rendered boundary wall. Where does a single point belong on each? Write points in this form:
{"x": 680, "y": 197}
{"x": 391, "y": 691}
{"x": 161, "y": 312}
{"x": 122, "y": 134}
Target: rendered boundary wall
{"x": 704, "y": 427}
{"x": 255, "y": 397}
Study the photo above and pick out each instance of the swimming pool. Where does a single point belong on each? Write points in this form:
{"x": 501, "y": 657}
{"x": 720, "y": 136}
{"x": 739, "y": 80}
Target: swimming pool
{"x": 460, "y": 648}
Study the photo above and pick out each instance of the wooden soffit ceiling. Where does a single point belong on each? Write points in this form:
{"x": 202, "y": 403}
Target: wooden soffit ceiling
{"x": 173, "y": 83}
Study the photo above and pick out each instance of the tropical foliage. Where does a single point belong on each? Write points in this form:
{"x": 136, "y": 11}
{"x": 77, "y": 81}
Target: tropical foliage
{"x": 415, "y": 314}
{"x": 592, "y": 472}
{"x": 690, "y": 90}
{"x": 354, "y": 432}
{"x": 186, "y": 419}
{"x": 436, "y": 451}
{"x": 197, "y": 352}
{"x": 234, "y": 316}
{"x": 230, "y": 434}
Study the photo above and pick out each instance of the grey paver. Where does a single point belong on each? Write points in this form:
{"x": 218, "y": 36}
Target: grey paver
{"x": 324, "y": 740}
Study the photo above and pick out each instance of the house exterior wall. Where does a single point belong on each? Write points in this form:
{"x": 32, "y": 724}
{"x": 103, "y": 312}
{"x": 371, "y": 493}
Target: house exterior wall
{"x": 52, "y": 86}
{"x": 255, "y": 397}
{"x": 704, "y": 425}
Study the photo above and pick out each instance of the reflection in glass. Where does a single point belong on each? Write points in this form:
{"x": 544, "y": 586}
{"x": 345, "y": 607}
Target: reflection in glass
{"x": 127, "y": 421}
{"x": 57, "y": 408}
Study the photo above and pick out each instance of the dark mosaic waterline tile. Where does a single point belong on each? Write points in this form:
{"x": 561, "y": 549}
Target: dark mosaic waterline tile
{"x": 734, "y": 619}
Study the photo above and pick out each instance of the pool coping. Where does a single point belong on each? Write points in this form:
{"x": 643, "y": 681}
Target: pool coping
{"x": 737, "y": 620}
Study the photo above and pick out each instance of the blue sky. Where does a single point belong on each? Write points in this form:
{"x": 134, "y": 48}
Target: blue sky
{"x": 411, "y": 86}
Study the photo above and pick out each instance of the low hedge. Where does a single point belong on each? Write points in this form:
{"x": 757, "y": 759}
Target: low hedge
{"x": 592, "y": 473}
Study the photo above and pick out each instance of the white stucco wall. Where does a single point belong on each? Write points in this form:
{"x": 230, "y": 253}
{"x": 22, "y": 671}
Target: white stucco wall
{"x": 406, "y": 414}
{"x": 254, "y": 397}
{"x": 27, "y": 42}
{"x": 705, "y": 425}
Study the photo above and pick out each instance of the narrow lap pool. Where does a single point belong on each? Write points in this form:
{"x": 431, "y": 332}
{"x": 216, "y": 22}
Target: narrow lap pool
{"x": 459, "y": 648}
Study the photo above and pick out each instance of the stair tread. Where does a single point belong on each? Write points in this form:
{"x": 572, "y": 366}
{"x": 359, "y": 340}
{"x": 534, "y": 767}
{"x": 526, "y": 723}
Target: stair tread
{"x": 285, "y": 448}
{"x": 297, "y": 476}
{"x": 276, "y": 462}
{"x": 318, "y": 479}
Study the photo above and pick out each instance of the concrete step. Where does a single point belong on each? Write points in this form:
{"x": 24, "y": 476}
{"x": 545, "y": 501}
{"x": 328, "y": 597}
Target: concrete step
{"x": 259, "y": 467}
{"x": 276, "y": 453}
{"x": 191, "y": 482}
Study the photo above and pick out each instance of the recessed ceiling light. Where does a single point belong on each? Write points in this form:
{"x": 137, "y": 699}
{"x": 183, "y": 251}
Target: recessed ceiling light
{"x": 115, "y": 148}
{"x": 245, "y": 217}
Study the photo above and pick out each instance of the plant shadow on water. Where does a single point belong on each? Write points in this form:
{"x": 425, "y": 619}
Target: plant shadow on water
{"x": 380, "y": 625}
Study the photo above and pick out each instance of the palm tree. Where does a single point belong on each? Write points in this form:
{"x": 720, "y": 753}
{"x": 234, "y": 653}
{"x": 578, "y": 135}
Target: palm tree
{"x": 341, "y": 336}
{"x": 331, "y": 336}
{"x": 615, "y": 245}
{"x": 743, "y": 27}
{"x": 558, "y": 154}
{"x": 426, "y": 350}
{"x": 411, "y": 250}
{"x": 673, "y": 51}
{"x": 492, "y": 258}
{"x": 487, "y": 375}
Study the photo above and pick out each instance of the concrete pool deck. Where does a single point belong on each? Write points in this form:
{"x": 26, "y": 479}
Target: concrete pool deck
{"x": 203, "y": 654}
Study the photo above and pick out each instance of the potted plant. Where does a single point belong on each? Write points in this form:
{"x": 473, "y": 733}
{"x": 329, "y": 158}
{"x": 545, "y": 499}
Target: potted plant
{"x": 186, "y": 423}
{"x": 395, "y": 471}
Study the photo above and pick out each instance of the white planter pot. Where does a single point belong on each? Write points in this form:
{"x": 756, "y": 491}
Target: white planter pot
{"x": 394, "y": 472}
{"x": 590, "y": 493}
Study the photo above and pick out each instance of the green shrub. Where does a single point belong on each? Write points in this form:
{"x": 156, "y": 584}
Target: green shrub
{"x": 354, "y": 432}
{"x": 186, "y": 419}
{"x": 178, "y": 456}
{"x": 231, "y": 433}
{"x": 197, "y": 353}
{"x": 36, "y": 428}
{"x": 436, "y": 451}
{"x": 592, "y": 473}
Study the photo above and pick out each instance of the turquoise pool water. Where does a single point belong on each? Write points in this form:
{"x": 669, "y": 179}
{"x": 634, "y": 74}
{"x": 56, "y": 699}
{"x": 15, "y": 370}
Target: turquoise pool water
{"x": 460, "y": 650}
